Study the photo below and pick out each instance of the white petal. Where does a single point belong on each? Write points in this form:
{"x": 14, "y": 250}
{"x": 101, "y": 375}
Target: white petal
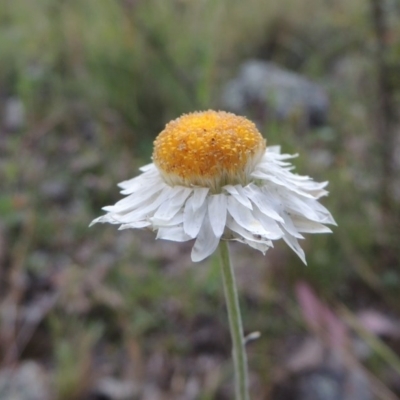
{"x": 140, "y": 182}
{"x": 182, "y": 195}
{"x": 264, "y": 201}
{"x": 281, "y": 181}
{"x": 169, "y": 208}
{"x": 193, "y": 218}
{"x": 244, "y": 235}
{"x": 272, "y": 228}
{"x": 317, "y": 194}
{"x": 177, "y": 219}
{"x": 147, "y": 210}
{"x": 274, "y": 149}
{"x": 206, "y": 242}
{"x": 294, "y": 245}
{"x": 165, "y": 213}
{"x": 324, "y": 215}
{"x": 244, "y": 217}
{"x": 134, "y": 200}
{"x": 104, "y": 219}
{"x": 299, "y": 205}
{"x": 314, "y": 186}
{"x": 310, "y": 209}
{"x": 260, "y": 246}
{"x": 239, "y": 194}
{"x": 263, "y": 247}
{"x": 217, "y": 213}
{"x": 147, "y": 167}
{"x": 284, "y": 156}
{"x": 198, "y": 198}
{"x": 307, "y": 226}
{"x": 289, "y": 226}
{"x": 135, "y": 225}
{"x": 174, "y": 233}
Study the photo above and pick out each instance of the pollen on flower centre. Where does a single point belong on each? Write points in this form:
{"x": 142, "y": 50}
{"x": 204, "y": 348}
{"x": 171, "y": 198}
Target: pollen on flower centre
{"x": 210, "y": 148}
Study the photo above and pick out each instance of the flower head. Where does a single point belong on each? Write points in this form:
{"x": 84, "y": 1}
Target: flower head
{"x": 208, "y": 149}
{"x": 214, "y": 178}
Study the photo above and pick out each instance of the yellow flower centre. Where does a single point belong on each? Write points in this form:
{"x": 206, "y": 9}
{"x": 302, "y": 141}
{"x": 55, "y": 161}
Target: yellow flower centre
{"x": 211, "y": 149}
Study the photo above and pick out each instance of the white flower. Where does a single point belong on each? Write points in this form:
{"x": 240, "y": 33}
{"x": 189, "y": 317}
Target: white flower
{"x": 214, "y": 178}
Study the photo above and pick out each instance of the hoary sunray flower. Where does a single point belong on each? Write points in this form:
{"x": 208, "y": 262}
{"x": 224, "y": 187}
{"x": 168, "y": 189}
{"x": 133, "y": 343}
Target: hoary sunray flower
{"x": 213, "y": 178}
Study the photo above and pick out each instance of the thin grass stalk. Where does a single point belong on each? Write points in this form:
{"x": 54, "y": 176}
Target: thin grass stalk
{"x": 235, "y": 324}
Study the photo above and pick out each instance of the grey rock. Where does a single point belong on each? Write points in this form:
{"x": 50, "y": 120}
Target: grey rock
{"x": 14, "y": 114}
{"x": 325, "y": 382}
{"x": 269, "y": 91}
{"x": 26, "y": 382}
{"x": 331, "y": 384}
{"x": 116, "y": 389}
{"x": 320, "y": 385}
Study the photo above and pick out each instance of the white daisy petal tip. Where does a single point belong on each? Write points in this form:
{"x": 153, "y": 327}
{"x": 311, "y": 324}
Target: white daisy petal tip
{"x": 94, "y": 222}
{"x": 209, "y": 182}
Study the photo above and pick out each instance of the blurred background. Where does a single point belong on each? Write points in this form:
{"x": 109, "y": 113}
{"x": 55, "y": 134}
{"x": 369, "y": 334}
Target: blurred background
{"x": 101, "y": 314}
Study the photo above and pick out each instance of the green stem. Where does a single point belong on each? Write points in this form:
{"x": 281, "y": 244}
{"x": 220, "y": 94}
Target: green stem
{"x": 235, "y": 323}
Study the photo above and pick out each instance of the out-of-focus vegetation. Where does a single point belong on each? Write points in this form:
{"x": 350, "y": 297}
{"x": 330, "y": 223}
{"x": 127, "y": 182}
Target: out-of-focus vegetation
{"x": 85, "y": 86}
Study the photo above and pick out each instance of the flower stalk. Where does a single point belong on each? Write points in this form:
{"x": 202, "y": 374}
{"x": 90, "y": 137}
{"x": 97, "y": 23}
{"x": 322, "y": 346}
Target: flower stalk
{"x": 235, "y": 324}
